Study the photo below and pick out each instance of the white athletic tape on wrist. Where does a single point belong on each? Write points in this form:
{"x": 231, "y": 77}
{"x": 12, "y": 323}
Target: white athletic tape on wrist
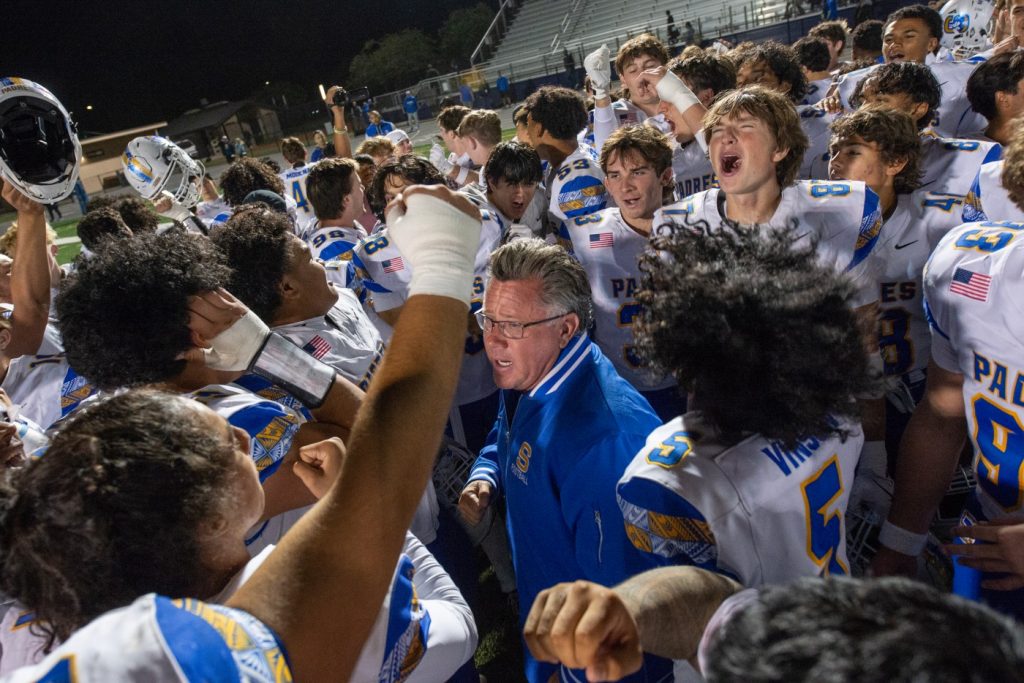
{"x": 460, "y": 178}
{"x": 236, "y": 347}
{"x": 671, "y": 89}
{"x": 902, "y": 541}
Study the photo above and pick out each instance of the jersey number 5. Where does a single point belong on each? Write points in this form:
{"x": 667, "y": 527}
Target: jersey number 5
{"x": 824, "y": 518}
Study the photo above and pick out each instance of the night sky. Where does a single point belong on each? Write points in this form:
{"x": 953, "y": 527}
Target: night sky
{"x": 141, "y": 62}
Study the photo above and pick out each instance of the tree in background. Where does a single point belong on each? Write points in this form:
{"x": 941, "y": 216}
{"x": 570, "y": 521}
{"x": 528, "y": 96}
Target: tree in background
{"x": 462, "y": 32}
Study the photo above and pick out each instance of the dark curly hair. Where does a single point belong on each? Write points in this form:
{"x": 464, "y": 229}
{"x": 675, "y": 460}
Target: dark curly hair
{"x": 137, "y": 214}
{"x": 812, "y": 53}
{"x": 255, "y": 243}
{"x": 514, "y": 163}
{"x": 888, "y": 629}
{"x": 705, "y": 70}
{"x": 101, "y": 225}
{"x": 1001, "y": 73}
{"x": 415, "y": 170}
{"x": 113, "y": 510}
{"x": 246, "y": 175}
{"x": 756, "y": 328}
{"x": 782, "y": 61}
{"x": 904, "y": 78}
{"x": 124, "y": 313}
{"x": 560, "y": 111}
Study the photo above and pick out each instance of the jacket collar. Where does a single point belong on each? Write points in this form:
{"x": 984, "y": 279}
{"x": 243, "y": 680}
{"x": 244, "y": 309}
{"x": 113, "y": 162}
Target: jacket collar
{"x": 569, "y": 360}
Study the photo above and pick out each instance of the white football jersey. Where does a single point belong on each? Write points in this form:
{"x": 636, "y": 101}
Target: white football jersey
{"x": 817, "y": 125}
{"x": 692, "y": 169}
{"x": 754, "y": 510}
{"x": 576, "y": 186}
{"x": 919, "y": 221}
{"x": 335, "y": 244}
{"x": 345, "y": 339}
{"x": 954, "y": 116}
{"x": 972, "y": 287}
{"x": 382, "y": 272}
{"x": 45, "y": 388}
{"x": 608, "y": 249}
{"x": 423, "y": 632}
{"x": 816, "y": 90}
{"x": 843, "y": 216}
{"x": 294, "y": 180}
{"x": 988, "y": 200}
{"x": 950, "y": 166}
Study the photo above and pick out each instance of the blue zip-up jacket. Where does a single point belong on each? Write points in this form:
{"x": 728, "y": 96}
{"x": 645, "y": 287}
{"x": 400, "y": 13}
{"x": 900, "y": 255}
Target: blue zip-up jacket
{"x": 557, "y": 464}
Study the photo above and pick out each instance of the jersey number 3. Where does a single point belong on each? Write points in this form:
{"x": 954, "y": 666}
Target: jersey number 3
{"x": 824, "y": 518}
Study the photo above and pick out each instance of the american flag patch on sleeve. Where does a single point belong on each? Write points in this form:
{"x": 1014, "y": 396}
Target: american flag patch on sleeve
{"x": 970, "y": 284}
{"x": 317, "y": 347}
{"x": 602, "y": 240}
{"x": 392, "y": 265}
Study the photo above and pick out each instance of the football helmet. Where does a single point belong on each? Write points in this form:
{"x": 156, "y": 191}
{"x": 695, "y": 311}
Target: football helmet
{"x": 39, "y": 150}
{"x": 965, "y": 26}
{"x": 153, "y": 164}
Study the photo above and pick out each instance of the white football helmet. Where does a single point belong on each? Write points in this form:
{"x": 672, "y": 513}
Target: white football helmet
{"x": 965, "y": 26}
{"x": 39, "y": 150}
{"x": 153, "y": 164}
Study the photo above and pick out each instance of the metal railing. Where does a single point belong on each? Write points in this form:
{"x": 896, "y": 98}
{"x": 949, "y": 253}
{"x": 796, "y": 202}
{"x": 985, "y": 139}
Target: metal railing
{"x": 495, "y": 31}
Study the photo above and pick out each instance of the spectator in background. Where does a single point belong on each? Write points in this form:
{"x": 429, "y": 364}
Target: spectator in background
{"x": 319, "y": 142}
{"x": 466, "y": 94}
{"x": 503, "y": 90}
{"x": 400, "y": 139}
{"x": 378, "y": 126}
{"x": 690, "y": 35}
{"x": 867, "y": 41}
{"x": 81, "y": 196}
{"x": 570, "y": 67}
{"x": 227, "y": 149}
{"x": 53, "y": 211}
{"x": 412, "y": 110}
{"x": 241, "y": 150}
{"x": 670, "y": 27}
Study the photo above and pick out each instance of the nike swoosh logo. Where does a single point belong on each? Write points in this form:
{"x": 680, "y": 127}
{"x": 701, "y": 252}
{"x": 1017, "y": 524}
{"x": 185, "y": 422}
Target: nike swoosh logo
{"x": 900, "y": 246}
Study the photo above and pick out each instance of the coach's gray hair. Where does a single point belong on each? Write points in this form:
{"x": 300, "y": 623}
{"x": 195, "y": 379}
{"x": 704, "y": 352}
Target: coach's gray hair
{"x": 564, "y": 282}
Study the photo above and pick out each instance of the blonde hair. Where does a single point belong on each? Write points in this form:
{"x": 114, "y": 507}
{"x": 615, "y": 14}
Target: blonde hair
{"x": 9, "y": 240}
{"x": 378, "y": 146}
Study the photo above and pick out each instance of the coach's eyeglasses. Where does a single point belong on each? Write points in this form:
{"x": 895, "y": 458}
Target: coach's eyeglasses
{"x": 510, "y": 329}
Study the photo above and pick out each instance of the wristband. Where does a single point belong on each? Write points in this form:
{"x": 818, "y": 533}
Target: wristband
{"x": 902, "y": 541}
{"x": 340, "y": 131}
{"x": 289, "y": 367}
{"x": 671, "y": 89}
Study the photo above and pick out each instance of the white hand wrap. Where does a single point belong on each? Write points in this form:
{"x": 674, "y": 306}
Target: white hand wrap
{"x": 598, "y": 67}
{"x": 440, "y": 243}
{"x": 672, "y": 89}
{"x": 439, "y": 160}
{"x": 235, "y": 348}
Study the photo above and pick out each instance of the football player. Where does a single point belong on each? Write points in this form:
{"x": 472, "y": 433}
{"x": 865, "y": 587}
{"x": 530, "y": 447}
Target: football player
{"x": 294, "y": 179}
{"x": 881, "y": 147}
{"x": 706, "y": 74}
{"x": 124, "y": 316}
{"x": 912, "y": 34}
{"x": 813, "y": 55}
{"x": 996, "y": 91}
{"x": 834, "y": 35}
{"x": 991, "y": 197}
{"x": 637, "y": 162}
{"x": 633, "y": 58}
{"x": 974, "y": 387}
{"x": 746, "y": 320}
{"x": 948, "y": 165}
{"x": 575, "y": 183}
{"x": 336, "y": 194}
